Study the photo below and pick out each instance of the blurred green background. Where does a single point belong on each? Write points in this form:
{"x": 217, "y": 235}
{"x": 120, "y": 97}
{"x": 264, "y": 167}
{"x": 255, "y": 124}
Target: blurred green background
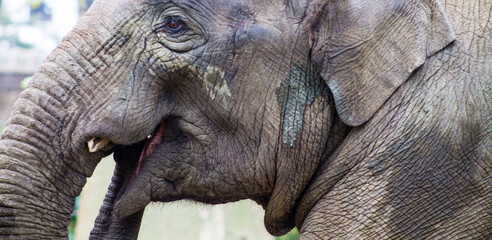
{"x": 29, "y": 30}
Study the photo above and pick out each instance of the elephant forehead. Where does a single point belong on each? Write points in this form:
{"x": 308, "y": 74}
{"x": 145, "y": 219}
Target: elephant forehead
{"x": 228, "y": 10}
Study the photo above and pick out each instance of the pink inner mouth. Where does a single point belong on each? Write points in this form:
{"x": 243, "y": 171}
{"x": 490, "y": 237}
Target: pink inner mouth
{"x": 150, "y": 147}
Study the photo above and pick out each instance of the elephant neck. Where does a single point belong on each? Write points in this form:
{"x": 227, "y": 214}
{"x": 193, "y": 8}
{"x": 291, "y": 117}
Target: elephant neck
{"x": 327, "y": 176}
{"x": 299, "y": 161}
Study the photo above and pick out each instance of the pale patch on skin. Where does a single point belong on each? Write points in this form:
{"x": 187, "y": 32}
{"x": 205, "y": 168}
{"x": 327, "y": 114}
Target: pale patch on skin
{"x": 215, "y": 84}
{"x": 302, "y": 87}
{"x": 212, "y": 78}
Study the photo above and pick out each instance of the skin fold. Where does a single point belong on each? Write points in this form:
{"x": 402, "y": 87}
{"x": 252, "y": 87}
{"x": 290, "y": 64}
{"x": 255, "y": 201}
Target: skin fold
{"x": 348, "y": 119}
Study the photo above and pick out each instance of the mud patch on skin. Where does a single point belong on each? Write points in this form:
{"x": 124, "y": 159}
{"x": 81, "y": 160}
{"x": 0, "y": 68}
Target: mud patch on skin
{"x": 303, "y": 85}
{"x": 216, "y": 84}
{"x": 213, "y": 78}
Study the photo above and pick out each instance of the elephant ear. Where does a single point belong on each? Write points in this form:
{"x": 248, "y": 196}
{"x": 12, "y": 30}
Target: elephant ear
{"x": 365, "y": 49}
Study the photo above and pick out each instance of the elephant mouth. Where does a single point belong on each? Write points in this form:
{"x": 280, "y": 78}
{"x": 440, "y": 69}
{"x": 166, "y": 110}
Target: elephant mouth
{"x": 129, "y": 160}
{"x": 143, "y": 149}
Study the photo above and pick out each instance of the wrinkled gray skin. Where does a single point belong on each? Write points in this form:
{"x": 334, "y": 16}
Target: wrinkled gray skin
{"x": 348, "y": 119}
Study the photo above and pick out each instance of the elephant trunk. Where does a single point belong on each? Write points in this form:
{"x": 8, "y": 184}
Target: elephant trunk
{"x": 44, "y": 163}
{"x": 36, "y": 195}
{"x": 107, "y": 225}
{"x": 45, "y": 149}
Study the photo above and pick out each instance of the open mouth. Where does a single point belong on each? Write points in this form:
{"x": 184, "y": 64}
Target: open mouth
{"x": 130, "y": 157}
{"x": 146, "y": 148}
{"x": 129, "y": 161}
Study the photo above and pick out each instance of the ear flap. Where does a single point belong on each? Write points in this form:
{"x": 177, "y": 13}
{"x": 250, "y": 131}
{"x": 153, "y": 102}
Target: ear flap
{"x": 367, "y": 49}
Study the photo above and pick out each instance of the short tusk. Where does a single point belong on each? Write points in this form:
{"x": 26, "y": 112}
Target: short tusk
{"x": 96, "y": 144}
{"x": 152, "y": 72}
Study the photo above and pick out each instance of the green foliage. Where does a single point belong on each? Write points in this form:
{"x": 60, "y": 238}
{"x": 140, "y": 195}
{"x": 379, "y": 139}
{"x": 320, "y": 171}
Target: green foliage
{"x": 24, "y": 82}
{"x": 73, "y": 220}
{"x": 1, "y": 126}
{"x": 292, "y": 235}
{"x": 71, "y": 229}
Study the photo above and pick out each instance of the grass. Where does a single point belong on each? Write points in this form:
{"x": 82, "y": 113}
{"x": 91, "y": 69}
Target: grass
{"x": 292, "y": 235}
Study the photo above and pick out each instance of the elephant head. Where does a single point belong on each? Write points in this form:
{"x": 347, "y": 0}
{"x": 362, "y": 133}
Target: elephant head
{"x": 212, "y": 101}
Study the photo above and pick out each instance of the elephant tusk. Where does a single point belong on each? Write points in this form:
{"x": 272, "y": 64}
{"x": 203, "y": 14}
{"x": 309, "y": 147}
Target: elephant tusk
{"x": 96, "y": 144}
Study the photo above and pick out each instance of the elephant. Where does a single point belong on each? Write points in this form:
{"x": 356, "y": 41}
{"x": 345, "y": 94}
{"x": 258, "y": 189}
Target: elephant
{"x": 348, "y": 119}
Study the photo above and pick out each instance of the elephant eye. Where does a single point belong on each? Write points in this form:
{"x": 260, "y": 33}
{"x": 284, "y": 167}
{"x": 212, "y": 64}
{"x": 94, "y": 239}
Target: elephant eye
{"x": 174, "y": 25}
{"x": 177, "y": 31}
